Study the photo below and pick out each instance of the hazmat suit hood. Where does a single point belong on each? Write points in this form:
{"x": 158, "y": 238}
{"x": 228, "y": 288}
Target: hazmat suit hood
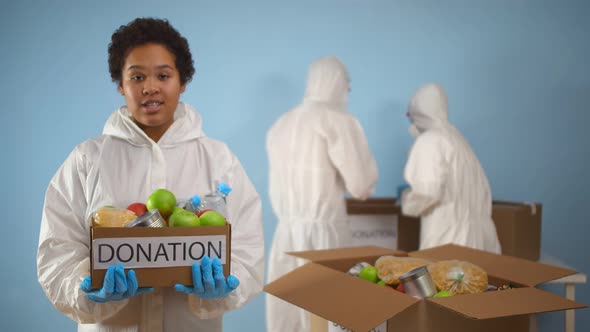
{"x": 121, "y": 125}
{"x": 428, "y": 108}
{"x": 327, "y": 84}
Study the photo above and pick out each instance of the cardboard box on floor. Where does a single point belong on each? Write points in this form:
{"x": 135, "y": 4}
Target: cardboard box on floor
{"x": 323, "y": 288}
{"x": 518, "y": 226}
{"x": 160, "y": 257}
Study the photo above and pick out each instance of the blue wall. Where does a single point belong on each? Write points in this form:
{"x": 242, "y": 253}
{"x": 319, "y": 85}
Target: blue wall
{"x": 517, "y": 74}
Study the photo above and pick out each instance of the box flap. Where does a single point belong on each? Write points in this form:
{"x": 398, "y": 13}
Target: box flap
{"x": 517, "y": 301}
{"x": 350, "y": 252}
{"x": 518, "y": 270}
{"x": 351, "y": 302}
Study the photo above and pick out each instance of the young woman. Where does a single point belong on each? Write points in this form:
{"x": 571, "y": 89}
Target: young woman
{"x": 153, "y": 141}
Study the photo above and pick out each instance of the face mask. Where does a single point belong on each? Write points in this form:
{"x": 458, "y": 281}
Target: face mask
{"x": 413, "y": 130}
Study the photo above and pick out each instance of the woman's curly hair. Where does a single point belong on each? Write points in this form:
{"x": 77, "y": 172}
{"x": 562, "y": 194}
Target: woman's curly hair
{"x": 142, "y": 31}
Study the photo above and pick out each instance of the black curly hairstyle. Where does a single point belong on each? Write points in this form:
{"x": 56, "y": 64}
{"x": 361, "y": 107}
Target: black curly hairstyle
{"x": 142, "y": 31}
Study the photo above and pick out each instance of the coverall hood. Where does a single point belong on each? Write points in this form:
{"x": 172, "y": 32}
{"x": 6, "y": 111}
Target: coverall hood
{"x": 328, "y": 84}
{"x": 429, "y": 107}
{"x": 121, "y": 125}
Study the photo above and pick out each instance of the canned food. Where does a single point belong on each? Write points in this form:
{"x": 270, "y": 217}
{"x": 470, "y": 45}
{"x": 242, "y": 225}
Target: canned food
{"x": 418, "y": 283}
{"x": 356, "y": 269}
{"x": 152, "y": 218}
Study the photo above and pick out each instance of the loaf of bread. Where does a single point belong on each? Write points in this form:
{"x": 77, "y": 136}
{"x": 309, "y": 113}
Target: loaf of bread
{"x": 112, "y": 217}
{"x": 458, "y": 277}
{"x": 390, "y": 268}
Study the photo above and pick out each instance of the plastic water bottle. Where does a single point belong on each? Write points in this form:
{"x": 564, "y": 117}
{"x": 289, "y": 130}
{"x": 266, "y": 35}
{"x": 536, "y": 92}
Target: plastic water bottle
{"x": 192, "y": 204}
{"x": 216, "y": 200}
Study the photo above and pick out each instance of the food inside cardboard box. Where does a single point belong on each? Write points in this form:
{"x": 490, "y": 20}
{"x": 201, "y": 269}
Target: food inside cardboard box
{"x": 446, "y": 278}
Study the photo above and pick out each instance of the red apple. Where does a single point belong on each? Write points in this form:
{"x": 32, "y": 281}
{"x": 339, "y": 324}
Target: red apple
{"x": 137, "y": 208}
{"x": 400, "y": 288}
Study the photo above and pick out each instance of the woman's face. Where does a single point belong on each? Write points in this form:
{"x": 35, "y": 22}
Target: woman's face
{"x": 151, "y": 86}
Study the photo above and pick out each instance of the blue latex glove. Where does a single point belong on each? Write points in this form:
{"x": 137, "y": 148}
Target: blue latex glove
{"x": 209, "y": 281}
{"x": 115, "y": 287}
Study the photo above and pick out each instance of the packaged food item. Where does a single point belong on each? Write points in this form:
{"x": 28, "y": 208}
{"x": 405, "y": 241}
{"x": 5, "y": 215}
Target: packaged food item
{"x": 505, "y": 287}
{"x": 152, "y": 218}
{"x": 390, "y": 268}
{"x": 356, "y": 269}
{"x": 458, "y": 277}
{"x": 112, "y": 217}
{"x": 418, "y": 283}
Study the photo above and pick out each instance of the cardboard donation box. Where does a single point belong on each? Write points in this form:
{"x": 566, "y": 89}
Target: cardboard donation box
{"x": 519, "y": 228}
{"x": 379, "y": 222}
{"x": 161, "y": 257}
{"x": 323, "y": 288}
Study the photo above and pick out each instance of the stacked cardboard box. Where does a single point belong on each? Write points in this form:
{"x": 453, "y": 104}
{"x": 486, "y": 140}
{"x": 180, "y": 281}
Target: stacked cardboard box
{"x": 407, "y": 229}
{"x": 519, "y": 228}
{"x": 518, "y": 225}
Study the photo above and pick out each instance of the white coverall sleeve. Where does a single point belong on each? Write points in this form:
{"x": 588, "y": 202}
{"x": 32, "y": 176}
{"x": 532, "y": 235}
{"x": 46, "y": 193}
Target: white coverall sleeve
{"x": 63, "y": 255}
{"x": 425, "y": 172}
{"x": 350, "y": 152}
{"x": 247, "y": 245}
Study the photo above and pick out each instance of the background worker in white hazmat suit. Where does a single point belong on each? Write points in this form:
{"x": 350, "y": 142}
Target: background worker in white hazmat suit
{"x": 448, "y": 187}
{"x": 317, "y": 152}
{"x": 152, "y": 142}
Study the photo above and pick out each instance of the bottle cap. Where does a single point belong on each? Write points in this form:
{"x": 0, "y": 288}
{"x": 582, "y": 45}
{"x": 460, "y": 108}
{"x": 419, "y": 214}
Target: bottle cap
{"x": 195, "y": 200}
{"x": 224, "y": 188}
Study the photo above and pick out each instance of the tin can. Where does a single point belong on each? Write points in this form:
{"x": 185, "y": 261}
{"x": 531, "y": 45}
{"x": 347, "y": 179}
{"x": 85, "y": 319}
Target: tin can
{"x": 152, "y": 218}
{"x": 356, "y": 269}
{"x": 418, "y": 283}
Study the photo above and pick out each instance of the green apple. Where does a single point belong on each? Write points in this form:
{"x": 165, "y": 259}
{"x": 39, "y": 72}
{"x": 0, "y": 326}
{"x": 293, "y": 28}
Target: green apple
{"x": 183, "y": 218}
{"x": 163, "y": 200}
{"x": 177, "y": 209}
{"x": 369, "y": 273}
{"x": 212, "y": 218}
{"x": 443, "y": 294}
{"x": 201, "y": 213}
{"x": 382, "y": 283}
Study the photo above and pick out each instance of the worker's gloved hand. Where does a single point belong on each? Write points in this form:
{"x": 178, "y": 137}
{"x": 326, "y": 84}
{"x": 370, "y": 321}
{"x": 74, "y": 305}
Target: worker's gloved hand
{"x": 209, "y": 281}
{"x": 116, "y": 286}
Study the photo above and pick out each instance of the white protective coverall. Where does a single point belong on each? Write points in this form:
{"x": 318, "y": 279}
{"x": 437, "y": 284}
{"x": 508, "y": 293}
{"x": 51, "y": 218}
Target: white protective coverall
{"x": 317, "y": 152}
{"x": 124, "y": 166}
{"x": 448, "y": 187}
